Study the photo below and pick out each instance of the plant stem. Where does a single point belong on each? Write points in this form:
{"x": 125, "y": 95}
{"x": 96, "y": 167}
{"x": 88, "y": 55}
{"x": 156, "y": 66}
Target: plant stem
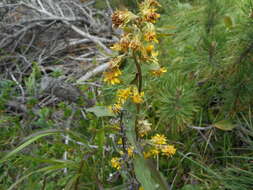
{"x": 79, "y": 173}
{"x": 139, "y": 85}
{"x": 138, "y": 67}
{"x": 123, "y": 134}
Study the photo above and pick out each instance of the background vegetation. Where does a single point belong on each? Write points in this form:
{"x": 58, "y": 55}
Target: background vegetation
{"x": 202, "y": 105}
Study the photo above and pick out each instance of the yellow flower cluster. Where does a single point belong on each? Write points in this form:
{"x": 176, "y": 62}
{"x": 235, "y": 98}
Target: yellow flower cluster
{"x": 137, "y": 97}
{"x": 159, "y": 139}
{"x": 130, "y": 151}
{"x": 138, "y": 42}
{"x": 148, "y": 11}
{"x": 159, "y": 145}
{"x": 121, "y": 18}
{"x": 116, "y": 162}
{"x": 112, "y": 76}
{"x": 123, "y": 95}
{"x": 150, "y": 33}
{"x": 139, "y": 37}
{"x": 168, "y": 150}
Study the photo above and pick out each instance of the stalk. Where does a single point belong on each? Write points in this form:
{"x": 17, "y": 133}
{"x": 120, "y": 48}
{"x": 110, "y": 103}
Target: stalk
{"x": 139, "y": 86}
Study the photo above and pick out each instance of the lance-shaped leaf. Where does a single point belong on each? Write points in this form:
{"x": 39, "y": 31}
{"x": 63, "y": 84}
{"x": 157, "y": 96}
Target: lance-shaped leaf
{"x": 100, "y": 111}
{"x": 224, "y": 125}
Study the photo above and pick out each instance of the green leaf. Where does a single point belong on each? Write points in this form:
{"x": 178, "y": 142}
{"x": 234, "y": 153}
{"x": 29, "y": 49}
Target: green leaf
{"x": 30, "y": 140}
{"x": 149, "y": 177}
{"x": 166, "y": 28}
{"x": 72, "y": 182}
{"x": 191, "y": 187}
{"x": 165, "y": 34}
{"x": 152, "y": 66}
{"x": 100, "y": 111}
{"x": 143, "y": 174}
{"x": 47, "y": 169}
{"x": 224, "y": 125}
{"x": 100, "y": 138}
{"x": 67, "y": 163}
{"x": 120, "y": 187}
{"x": 145, "y": 171}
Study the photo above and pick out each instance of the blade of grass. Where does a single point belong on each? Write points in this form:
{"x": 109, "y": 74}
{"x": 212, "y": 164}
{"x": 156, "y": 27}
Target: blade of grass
{"x": 29, "y": 141}
{"x": 47, "y": 169}
{"x": 201, "y": 166}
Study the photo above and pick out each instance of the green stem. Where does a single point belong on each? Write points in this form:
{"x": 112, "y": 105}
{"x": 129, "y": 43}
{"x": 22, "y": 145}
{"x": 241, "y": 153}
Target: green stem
{"x": 79, "y": 174}
{"x": 139, "y": 73}
{"x": 139, "y": 85}
{"x": 123, "y": 134}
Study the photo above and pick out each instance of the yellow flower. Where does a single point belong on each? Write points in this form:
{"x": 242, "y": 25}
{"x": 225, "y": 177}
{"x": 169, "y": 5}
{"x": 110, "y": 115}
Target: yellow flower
{"x": 149, "y": 48}
{"x": 121, "y": 18}
{"x": 148, "y": 11}
{"x": 153, "y": 58}
{"x": 116, "y": 163}
{"x": 146, "y": 5}
{"x": 159, "y": 72}
{"x": 150, "y": 3}
{"x": 115, "y": 108}
{"x": 127, "y": 42}
{"x": 143, "y": 127}
{"x": 130, "y": 151}
{"x": 150, "y": 33}
{"x": 116, "y": 47}
{"x": 159, "y": 139}
{"x": 137, "y": 97}
{"x": 135, "y": 44}
{"x": 150, "y": 36}
{"x": 146, "y": 154}
{"x": 123, "y": 44}
{"x": 152, "y": 152}
{"x": 168, "y": 150}
{"x": 114, "y": 62}
{"x": 150, "y": 15}
{"x": 148, "y": 55}
{"x": 120, "y": 141}
{"x": 112, "y": 75}
{"x": 141, "y": 188}
{"x": 123, "y": 94}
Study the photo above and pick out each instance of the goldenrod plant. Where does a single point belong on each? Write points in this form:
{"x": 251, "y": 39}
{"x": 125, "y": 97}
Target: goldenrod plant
{"x": 137, "y": 43}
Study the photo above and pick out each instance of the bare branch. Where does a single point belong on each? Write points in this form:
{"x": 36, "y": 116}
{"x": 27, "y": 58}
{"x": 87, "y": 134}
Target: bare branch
{"x": 97, "y": 70}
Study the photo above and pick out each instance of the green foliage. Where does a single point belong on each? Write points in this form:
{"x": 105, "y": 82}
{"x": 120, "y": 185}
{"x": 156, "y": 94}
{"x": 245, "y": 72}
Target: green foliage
{"x": 176, "y": 100}
{"x": 224, "y": 125}
{"x": 30, "y": 82}
{"x": 206, "y": 45}
{"x": 6, "y": 87}
{"x": 144, "y": 176}
{"x": 191, "y": 187}
{"x": 100, "y": 111}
